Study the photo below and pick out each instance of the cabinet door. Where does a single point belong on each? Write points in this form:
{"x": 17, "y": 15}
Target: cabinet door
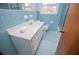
{"x": 23, "y": 46}
{"x": 27, "y": 49}
{"x": 19, "y": 43}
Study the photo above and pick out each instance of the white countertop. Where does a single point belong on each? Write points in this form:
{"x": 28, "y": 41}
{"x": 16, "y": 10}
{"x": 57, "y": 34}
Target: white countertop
{"x": 25, "y": 30}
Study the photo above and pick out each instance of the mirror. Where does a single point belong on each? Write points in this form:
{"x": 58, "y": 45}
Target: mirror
{"x": 44, "y": 8}
{"x": 17, "y": 6}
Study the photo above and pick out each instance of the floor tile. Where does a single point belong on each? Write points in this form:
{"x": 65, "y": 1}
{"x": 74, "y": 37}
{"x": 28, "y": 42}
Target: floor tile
{"x": 48, "y": 43}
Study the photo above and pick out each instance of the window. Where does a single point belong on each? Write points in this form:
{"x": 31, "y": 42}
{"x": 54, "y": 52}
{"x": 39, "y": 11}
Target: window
{"x": 48, "y": 8}
{"x": 27, "y": 6}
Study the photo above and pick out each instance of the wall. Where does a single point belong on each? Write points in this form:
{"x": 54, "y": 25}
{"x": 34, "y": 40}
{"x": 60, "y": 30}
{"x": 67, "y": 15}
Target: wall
{"x": 9, "y": 18}
{"x": 47, "y": 18}
{"x": 63, "y": 14}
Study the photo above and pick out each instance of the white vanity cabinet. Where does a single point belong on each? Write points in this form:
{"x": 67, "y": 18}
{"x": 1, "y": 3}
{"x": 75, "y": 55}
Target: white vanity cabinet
{"x": 27, "y": 42}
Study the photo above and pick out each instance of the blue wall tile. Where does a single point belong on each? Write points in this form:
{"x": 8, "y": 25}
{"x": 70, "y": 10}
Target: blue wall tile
{"x": 12, "y": 18}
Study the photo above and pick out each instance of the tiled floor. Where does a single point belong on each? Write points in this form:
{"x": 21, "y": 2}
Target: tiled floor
{"x": 48, "y": 43}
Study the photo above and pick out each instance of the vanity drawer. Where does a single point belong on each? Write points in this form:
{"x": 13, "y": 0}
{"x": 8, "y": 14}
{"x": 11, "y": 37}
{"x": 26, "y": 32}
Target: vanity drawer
{"x": 35, "y": 42}
{"x": 36, "y": 39}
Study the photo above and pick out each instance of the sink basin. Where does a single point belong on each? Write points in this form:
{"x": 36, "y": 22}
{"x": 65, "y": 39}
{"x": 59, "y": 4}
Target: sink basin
{"x": 30, "y": 26}
{"x": 25, "y": 30}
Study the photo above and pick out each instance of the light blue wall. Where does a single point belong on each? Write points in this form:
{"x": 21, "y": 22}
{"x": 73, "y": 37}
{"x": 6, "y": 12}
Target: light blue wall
{"x": 5, "y": 43}
{"x": 63, "y": 14}
{"x": 9, "y": 18}
{"x": 12, "y": 18}
{"x": 47, "y": 18}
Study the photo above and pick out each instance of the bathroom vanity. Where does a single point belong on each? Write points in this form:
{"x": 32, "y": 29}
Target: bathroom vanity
{"x": 27, "y": 36}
